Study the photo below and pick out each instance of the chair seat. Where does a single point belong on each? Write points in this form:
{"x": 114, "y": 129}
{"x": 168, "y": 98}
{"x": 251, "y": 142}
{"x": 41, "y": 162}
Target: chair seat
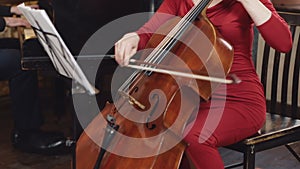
{"x": 279, "y": 74}
{"x": 276, "y": 131}
{"x": 275, "y": 126}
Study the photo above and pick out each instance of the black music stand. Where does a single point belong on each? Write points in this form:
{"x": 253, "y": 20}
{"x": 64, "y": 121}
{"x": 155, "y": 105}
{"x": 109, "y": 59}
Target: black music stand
{"x": 62, "y": 59}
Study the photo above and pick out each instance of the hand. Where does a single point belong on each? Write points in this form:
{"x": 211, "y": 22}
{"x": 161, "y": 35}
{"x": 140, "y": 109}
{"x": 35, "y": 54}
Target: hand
{"x": 16, "y": 11}
{"x": 15, "y": 22}
{"x": 126, "y": 47}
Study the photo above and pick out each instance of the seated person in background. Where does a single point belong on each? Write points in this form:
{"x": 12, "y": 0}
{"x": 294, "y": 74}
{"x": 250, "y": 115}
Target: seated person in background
{"x": 23, "y": 85}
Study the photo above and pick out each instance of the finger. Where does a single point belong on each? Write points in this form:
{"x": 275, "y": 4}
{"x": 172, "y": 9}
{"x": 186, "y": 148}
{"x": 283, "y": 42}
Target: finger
{"x": 119, "y": 54}
{"x": 35, "y": 6}
{"x": 130, "y": 51}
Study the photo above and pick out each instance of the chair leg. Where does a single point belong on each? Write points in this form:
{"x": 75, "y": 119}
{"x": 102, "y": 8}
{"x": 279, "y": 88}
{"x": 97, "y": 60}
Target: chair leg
{"x": 293, "y": 152}
{"x": 249, "y": 158}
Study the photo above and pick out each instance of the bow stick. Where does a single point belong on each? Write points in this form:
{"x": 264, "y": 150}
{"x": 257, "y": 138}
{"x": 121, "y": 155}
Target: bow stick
{"x": 234, "y": 79}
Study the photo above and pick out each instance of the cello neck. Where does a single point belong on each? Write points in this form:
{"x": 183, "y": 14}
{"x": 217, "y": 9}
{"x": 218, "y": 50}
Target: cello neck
{"x": 194, "y": 12}
{"x": 156, "y": 56}
{"x": 170, "y": 40}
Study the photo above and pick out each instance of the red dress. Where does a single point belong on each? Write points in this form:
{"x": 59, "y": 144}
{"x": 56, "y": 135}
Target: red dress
{"x": 240, "y": 112}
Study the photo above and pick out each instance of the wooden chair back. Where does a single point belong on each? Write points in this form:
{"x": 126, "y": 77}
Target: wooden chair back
{"x": 279, "y": 72}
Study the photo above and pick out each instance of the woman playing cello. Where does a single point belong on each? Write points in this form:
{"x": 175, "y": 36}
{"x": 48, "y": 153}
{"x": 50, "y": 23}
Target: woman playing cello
{"x": 243, "y": 113}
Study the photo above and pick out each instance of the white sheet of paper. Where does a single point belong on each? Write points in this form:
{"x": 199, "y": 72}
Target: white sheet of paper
{"x": 55, "y": 47}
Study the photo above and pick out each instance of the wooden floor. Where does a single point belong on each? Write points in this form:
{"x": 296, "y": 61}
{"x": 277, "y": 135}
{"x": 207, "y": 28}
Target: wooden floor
{"x": 278, "y": 158}
{"x": 11, "y": 158}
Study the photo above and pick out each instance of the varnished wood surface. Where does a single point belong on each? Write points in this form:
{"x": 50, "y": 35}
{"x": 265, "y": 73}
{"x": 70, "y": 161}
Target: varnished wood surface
{"x": 11, "y": 158}
{"x": 278, "y": 158}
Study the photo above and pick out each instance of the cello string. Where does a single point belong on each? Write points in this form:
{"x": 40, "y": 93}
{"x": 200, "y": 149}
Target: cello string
{"x": 152, "y": 58}
{"x": 162, "y": 49}
{"x": 176, "y": 32}
{"x": 156, "y": 56}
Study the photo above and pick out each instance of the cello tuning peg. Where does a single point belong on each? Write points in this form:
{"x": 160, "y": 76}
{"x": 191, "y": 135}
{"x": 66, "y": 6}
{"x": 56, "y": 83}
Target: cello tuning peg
{"x": 110, "y": 118}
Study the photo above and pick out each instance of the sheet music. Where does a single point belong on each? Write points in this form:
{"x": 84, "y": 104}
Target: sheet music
{"x": 55, "y": 47}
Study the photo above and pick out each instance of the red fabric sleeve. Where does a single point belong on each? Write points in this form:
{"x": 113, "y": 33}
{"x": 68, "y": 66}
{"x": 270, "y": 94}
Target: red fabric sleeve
{"x": 269, "y": 30}
{"x": 166, "y": 10}
{"x": 274, "y": 29}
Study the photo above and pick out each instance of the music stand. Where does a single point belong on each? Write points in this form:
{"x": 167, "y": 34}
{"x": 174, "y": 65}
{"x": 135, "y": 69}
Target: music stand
{"x": 61, "y": 57}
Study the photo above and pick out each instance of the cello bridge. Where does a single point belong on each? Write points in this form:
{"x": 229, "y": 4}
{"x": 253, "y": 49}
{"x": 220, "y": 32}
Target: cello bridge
{"x": 132, "y": 100}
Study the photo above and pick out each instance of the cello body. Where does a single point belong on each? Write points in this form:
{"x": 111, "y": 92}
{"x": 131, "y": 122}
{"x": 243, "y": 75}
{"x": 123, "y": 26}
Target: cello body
{"x": 146, "y": 124}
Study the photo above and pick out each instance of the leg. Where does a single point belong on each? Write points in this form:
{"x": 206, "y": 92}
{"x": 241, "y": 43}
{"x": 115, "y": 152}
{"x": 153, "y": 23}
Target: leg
{"x": 204, "y": 137}
{"x": 24, "y": 95}
{"x": 26, "y": 135}
{"x": 249, "y": 159}
{"x": 23, "y": 87}
{"x": 9, "y": 63}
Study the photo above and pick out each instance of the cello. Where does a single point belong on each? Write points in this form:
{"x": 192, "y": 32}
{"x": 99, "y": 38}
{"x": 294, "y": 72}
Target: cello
{"x": 145, "y": 126}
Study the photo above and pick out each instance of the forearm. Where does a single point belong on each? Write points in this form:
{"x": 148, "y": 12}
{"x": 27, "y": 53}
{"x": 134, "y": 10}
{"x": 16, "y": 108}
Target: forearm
{"x": 15, "y": 22}
{"x": 10, "y": 10}
{"x": 167, "y": 10}
{"x": 270, "y": 25}
{"x": 257, "y": 11}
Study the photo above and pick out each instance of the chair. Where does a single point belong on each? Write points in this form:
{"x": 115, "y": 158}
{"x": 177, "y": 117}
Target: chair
{"x": 279, "y": 74}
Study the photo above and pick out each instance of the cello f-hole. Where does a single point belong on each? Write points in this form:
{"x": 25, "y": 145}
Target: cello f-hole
{"x": 153, "y": 126}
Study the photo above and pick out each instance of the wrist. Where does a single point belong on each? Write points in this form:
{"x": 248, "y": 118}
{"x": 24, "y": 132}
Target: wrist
{"x": 257, "y": 11}
{"x": 13, "y": 9}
